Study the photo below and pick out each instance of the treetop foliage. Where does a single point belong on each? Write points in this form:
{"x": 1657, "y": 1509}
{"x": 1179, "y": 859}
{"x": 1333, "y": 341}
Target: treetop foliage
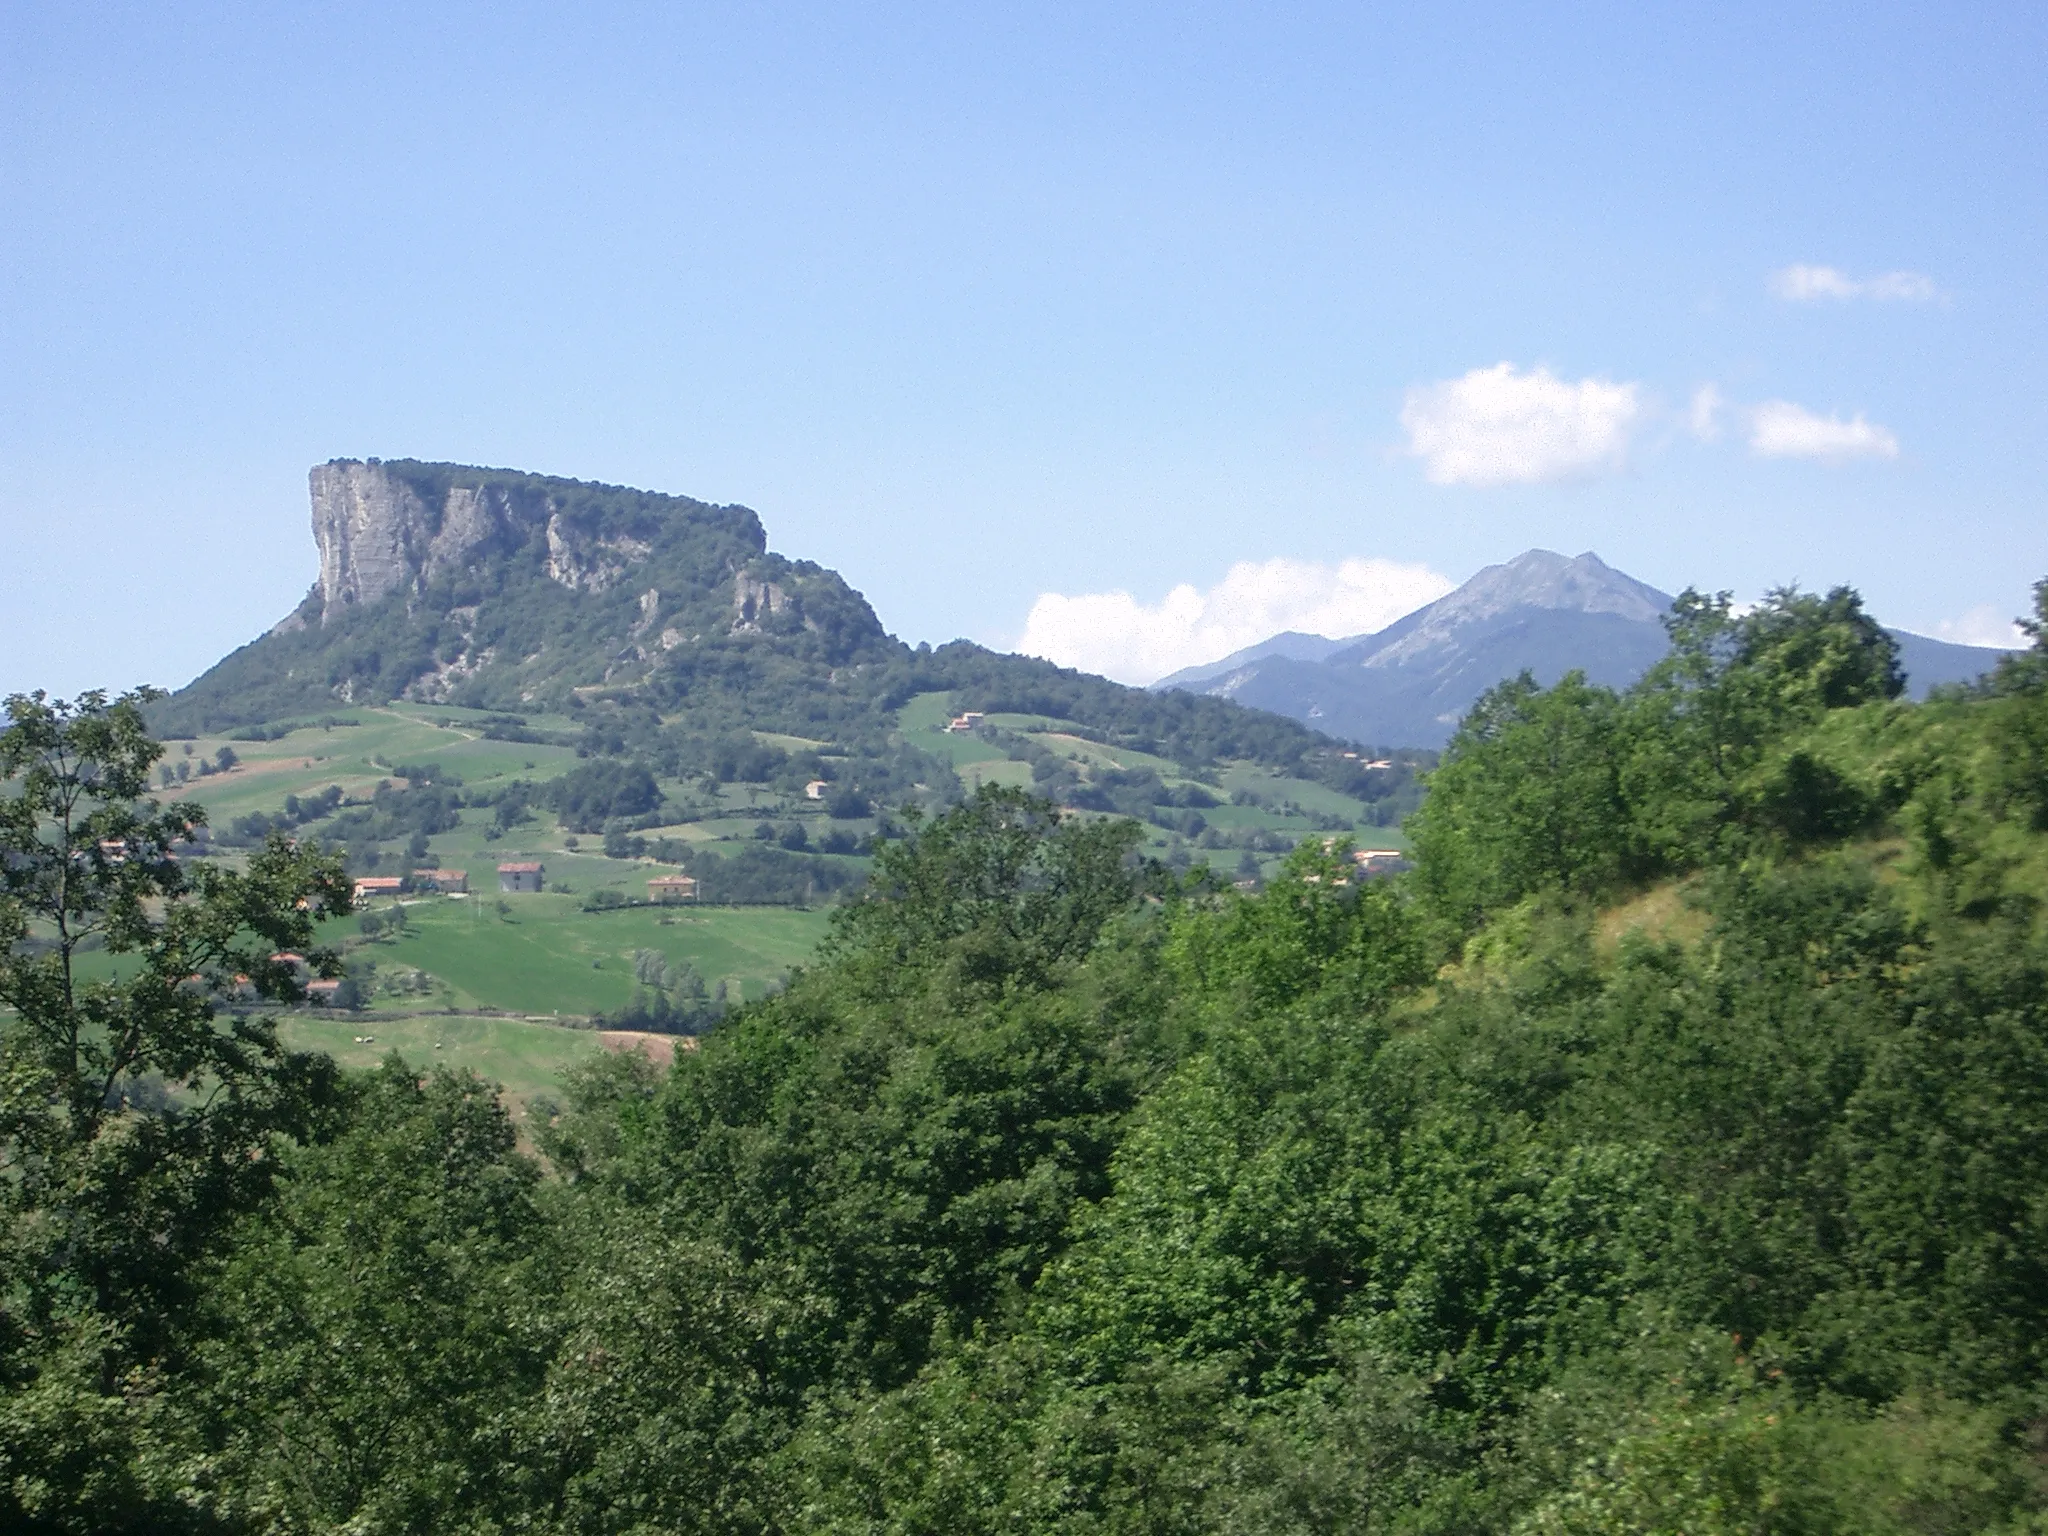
{"x": 1663, "y": 1153}
{"x": 1006, "y": 874}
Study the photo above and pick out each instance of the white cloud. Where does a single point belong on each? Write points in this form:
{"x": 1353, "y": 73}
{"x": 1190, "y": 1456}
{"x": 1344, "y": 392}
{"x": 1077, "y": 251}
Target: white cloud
{"x": 1116, "y": 635}
{"x": 1986, "y": 624}
{"x": 1804, "y": 284}
{"x": 1495, "y": 426}
{"x": 1705, "y": 416}
{"x": 1780, "y": 429}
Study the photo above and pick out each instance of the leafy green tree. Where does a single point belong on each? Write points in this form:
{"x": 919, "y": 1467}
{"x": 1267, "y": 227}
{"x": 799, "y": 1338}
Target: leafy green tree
{"x": 1317, "y": 928}
{"x": 378, "y": 1321}
{"x": 2019, "y": 761}
{"x": 1706, "y": 717}
{"x": 1004, "y": 885}
{"x": 135, "y": 1118}
{"x": 1529, "y": 797}
{"x": 596, "y": 791}
{"x": 1804, "y": 654}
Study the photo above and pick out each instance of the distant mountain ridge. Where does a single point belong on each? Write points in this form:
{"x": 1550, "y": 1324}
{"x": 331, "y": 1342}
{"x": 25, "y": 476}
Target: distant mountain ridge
{"x": 1409, "y": 684}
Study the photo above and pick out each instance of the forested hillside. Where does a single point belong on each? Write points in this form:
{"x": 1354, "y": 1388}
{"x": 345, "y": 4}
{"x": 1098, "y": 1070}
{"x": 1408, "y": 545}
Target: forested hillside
{"x": 1665, "y": 1153}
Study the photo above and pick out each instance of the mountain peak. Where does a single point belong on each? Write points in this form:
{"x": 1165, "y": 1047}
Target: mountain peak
{"x": 1536, "y": 579}
{"x": 1541, "y": 612}
{"x": 1542, "y": 578}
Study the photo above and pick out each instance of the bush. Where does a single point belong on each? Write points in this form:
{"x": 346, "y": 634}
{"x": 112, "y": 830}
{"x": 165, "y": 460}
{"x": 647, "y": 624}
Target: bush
{"x": 596, "y": 792}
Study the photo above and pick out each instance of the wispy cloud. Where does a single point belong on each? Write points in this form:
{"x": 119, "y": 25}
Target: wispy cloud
{"x": 1118, "y": 636}
{"x": 1496, "y": 426}
{"x": 1704, "y": 416}
{"x": 1779, "y": 429}
{"x": 1986, "y": 624}
{"x": 1804, "y": 285}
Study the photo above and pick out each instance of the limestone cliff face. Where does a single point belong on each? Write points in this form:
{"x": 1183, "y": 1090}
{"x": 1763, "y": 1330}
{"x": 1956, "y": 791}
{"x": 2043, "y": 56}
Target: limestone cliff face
{"x": 377, "y": 536}
{"x": 499, "y": 589}
{"x": 582, "y": 563}
{"x": 754, "y": 601}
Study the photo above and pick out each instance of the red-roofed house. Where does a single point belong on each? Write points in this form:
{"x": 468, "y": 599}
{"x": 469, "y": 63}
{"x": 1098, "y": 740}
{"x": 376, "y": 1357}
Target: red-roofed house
{"x": 447, "y": 881}
{"x": 378, "y": 885}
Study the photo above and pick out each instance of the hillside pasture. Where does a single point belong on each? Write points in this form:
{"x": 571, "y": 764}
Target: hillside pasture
{"x": 546, "y": 955}
{"x": 528, "y": 1058}
{"x": 357, "y": 757}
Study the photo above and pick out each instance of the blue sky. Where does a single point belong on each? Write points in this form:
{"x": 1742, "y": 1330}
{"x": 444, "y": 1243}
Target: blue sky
{"x": 979, "y": 305}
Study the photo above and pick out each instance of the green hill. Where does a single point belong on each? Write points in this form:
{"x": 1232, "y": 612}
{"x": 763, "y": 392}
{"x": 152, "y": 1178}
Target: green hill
{"x": 404, "y": 786}
{"x": 497, "y": 666}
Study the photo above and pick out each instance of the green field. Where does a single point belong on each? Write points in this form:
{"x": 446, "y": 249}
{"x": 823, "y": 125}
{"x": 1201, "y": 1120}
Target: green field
{"x": 1284, "y": 804}
{"x": 549, "y": 956}
{"x": 526, "y": 1059}
{"x": 978, "y": 761}
{"x": 357, "y": 756}
{"x": 545, "y": 955}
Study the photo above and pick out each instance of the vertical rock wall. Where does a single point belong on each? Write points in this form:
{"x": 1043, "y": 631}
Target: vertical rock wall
{"x": 368, "y": 524}
{"x": 376, "y": 535}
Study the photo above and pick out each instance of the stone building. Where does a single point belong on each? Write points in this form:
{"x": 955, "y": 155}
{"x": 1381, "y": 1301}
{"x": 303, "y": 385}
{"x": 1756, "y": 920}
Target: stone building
{"x": 521, "y": 877}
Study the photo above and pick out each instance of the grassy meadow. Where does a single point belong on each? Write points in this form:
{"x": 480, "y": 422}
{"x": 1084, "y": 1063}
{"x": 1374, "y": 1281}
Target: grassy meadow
{"x": 1284, "y": 805}
{"x": 527, "y": 1059}
{"x": 546, "y": 957}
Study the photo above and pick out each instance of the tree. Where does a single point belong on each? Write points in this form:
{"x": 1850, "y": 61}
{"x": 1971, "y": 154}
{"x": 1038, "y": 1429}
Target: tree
{"x": 1807, "y": 654}
{"x": 1706, "y": 721}
{"x": 381, "y": 1313}
{"x": 2019, "y": 765}
{"x": 589, "y": 796}
{"x": 1529, "y": 796}
{"x": 1730, "y": 685}
{"x": 134, "y": 1117}
{"x": 1318, "y": 927}
{"x": 1004, "y": 883}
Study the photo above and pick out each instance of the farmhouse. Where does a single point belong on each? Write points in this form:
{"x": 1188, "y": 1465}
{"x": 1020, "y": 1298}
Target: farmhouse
{"x": 963, "y": 723}
{"x": 378, "y": 885}
{"x": 520, "y": 877}
{"x": 1379, "y": 861}
{"x": 448, "y": 882}
{"x": 322, "y": 992}
{"x": 672, "y": 888}
{"x": 815, "y": 790}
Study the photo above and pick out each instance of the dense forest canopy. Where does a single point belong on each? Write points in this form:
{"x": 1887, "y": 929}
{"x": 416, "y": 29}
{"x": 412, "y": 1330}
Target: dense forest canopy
{"x": 1665, "y": 1153}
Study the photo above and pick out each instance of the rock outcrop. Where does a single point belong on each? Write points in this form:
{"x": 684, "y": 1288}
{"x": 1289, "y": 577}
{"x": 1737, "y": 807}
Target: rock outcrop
{"x": 754, "y": 600}
{"x": 377, "y": 535}
{"x": 584, "y": 564}
{"x": 495, "y": 588}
